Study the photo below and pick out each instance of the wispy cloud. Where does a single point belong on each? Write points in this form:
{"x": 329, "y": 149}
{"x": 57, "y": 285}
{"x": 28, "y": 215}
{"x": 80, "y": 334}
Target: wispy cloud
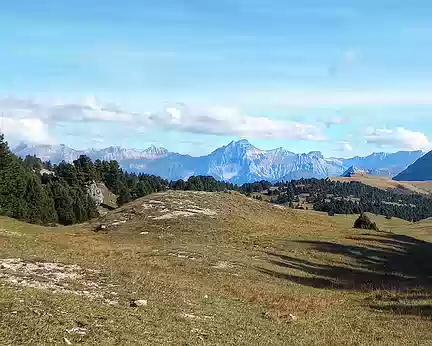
{"x": 336, "y": 120}
{"x": 399, "y": 138}
{"x": 232, "y": 122}
{"x": 89, "y": 110}
{"x": 215, "y": 120}
{"x": 27, "y": 129}
{"x": 344, "y": 146}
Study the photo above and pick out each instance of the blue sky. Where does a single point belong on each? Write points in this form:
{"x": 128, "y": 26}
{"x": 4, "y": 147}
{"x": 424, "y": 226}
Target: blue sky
{"x": 344, "y": 77}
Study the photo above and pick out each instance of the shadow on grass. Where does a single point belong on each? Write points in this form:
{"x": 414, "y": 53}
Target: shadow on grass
{"x": 388, "y": 262}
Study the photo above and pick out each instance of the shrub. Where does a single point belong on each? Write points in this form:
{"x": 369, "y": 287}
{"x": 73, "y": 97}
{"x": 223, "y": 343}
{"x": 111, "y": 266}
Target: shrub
{"x": 363, "y": 222}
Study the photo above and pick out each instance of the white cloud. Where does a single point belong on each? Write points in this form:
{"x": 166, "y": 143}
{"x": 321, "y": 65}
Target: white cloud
{"x": 29, "y": 129}
{"x": 76, "y": 112}
{"x": 89, "y": 110}
{"x": 399, "y": 138}
{"x": 336, "y": 120}
{"x": 214, "y": 120}
{"x": 344, "y": 146}
{"x": 231, "y": 122}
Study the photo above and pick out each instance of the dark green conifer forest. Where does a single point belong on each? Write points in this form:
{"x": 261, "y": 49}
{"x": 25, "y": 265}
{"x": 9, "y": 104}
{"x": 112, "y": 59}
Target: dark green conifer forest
{"x": 42, "y": 193}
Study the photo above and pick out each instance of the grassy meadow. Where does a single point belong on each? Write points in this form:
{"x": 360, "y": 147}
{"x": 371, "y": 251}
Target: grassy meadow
{"x": 216, "y": 269}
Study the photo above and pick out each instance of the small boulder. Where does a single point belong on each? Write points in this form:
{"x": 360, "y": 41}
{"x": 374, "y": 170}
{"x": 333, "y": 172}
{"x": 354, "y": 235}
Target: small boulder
{"x": 138, "y": 303}
{"x": 100, "y": 228}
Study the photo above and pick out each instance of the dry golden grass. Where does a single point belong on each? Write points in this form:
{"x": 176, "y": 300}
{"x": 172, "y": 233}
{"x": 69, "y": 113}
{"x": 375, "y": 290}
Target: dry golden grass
{"x": 422, "y": 187}
{"x": 236, "y": 272}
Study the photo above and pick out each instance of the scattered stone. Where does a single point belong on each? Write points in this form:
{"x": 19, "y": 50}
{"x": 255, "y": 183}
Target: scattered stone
{"x": 293, "y": 317}
{"x": 192, "y": 316}
{"x": 152, "y": 201}
{"x": 53, "y": 277}
{"x": 100, "y": 228}
{"x": 10, "y": 233}
{"x": 223, "y": 265}
{"x": 174, "y": 214}
{"x": 139, "y": 302}
{"x": 111, "y": 302}
{"x": 116, "y": 223}
{"x": 78, "y": 330}
{"x": 202, "y": 211}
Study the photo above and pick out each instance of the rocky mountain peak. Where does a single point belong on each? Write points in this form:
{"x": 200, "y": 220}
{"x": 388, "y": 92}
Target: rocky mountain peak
{"x": 237, "y": 162}
{"x": 155, "y": 151}
{"x": 316, "y": 154}
{"x": 353, "y": 171}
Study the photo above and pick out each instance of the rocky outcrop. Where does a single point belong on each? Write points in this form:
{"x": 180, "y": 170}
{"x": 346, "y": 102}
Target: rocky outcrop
{"x": 96, "y": 193}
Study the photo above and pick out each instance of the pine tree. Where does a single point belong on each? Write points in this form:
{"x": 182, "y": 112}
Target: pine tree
{"x": 124, "y": 197}
{"x": 64, "y": 203}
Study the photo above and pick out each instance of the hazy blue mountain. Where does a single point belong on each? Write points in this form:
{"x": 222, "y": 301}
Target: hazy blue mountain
{"x": 384, "y": 164}
{"x": 421, "y": 170}
{"x": 353, "y": 171}
{"x": 53, "y": 153}
{"x": 237, "y": 162}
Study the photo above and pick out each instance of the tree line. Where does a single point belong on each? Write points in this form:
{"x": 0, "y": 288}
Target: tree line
{"x": 346, "y": 198}
{"x": 27, "y": 195}
{"x": 39, "y": 192}
{"x": 42, "y": 193}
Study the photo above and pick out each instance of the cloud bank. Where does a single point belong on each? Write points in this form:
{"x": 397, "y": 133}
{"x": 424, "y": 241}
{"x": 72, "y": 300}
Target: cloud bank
{"x": 231, "y": 122}
{"x": 31, "y": 121}
{"x": 399, "y": 138}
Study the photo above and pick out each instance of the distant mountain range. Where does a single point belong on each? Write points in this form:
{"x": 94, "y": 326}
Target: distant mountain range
{"x": 421, "y": 170}
{"x": 58, "y": 153}
{"x": 238, "y": 162}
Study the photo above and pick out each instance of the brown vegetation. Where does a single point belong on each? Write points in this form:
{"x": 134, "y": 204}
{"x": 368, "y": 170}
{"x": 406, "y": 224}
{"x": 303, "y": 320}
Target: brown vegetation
{"x": 234, "y": 270}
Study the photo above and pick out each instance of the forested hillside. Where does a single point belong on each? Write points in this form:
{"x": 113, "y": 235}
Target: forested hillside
{"x": 38, "y": 192}
{"x": 28, "y": 195}
{"x": 345, "y": 198}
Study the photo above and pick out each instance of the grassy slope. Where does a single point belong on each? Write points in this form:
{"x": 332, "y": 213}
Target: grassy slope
{"x": 238, "y": 276}
{"x": 423, "y": 187}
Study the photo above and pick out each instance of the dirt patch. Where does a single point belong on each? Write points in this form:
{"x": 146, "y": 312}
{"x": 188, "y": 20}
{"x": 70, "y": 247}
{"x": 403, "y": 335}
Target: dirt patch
{"x": 223, "y": 265}
{"x": 202, "y": 211}
{"x": 173, "y": 208}
{"x": 54, "y": 277}
{"x": 173, "y": 215}
{"x": 5, "y": 232}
